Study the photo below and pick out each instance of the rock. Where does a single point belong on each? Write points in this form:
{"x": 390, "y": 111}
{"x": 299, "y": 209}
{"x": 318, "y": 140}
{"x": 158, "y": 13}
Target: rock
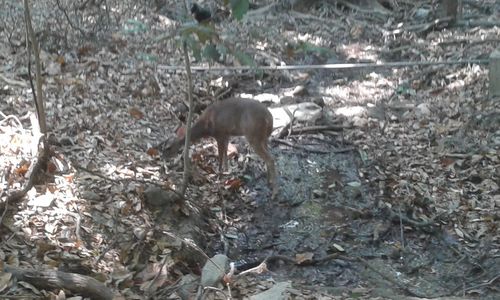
{"x": 299, "y": 90}
{"x": 423, "y": 110}
{"x": 264, "y": 97}
{"x": 496, "y": 200}
{"x": 44, "y": 200}
{"x": 351, "y": 111}
{"x": 303, "y": 112}
{"x": 275, "y": 293}
{"x": 495, "y": 139}
{"x": 317, "y": 193}
{"x": 421, "y": 13}
{"x": 213, "y": 270}
{"x": 187, "y": 287}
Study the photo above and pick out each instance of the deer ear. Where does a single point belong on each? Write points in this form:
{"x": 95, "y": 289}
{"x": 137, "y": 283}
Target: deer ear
{"x": 180, "y": 132}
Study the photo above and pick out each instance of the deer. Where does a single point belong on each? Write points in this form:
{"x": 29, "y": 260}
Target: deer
{"x": 234, "y": 117}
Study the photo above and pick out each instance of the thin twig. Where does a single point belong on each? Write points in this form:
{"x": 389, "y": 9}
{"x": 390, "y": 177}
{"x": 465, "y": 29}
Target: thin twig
{"x": 68, "y": 19}
{"x": 13, "y": 82}
{"x": 189, "y": 121}
{"x": 217, "y": 290}
{"x": 401, "y": 64}
{"x": 15, "y": 118}
{"x": 489, "y": 282}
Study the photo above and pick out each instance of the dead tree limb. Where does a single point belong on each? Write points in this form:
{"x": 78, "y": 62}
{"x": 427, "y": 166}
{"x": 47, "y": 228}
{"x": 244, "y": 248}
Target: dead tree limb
{"x": 51, "y": 279}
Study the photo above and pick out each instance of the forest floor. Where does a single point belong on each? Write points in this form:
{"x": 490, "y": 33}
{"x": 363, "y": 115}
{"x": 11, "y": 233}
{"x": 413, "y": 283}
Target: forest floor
{"x": 389, "y": 186}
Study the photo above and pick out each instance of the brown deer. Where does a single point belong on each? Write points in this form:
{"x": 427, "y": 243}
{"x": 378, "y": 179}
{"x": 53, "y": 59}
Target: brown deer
{"x": 234, "y": 117}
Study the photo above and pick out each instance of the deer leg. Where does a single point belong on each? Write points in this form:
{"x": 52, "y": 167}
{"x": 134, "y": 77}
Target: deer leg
{"x": 222, "y": 149}
{"x": 260, "y": 147}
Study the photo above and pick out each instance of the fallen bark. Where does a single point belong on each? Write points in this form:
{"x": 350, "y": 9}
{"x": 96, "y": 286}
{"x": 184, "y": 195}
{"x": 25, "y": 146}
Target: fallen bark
{"x": 51, "y": 279}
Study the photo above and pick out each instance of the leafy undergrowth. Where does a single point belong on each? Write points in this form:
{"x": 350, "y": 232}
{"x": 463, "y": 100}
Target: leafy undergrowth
{"x": 428, "y": 139}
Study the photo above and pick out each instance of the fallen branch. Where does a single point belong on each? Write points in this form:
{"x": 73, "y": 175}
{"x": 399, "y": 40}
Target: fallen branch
{"x": 263, "y": 265}
{"x": 422, "y": 26}
{"x": 487, "y": 283}
{"x": 293, "y": 145}
{"x": 13, "y": 82}
{"x": 370, "y": 8}
{"x": 320, "y": 128}
{"x": 50, "y": 279}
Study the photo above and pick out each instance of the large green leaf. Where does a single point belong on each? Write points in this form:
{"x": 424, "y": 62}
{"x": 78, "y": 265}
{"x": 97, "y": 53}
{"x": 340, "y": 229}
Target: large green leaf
{"x": 210, "y": 52}
{"x": 244, "y": 58}
{"x": 311, "y": 48}
{"x": 194, "y": 45}
{"x": 239, "y": 8}
{"x": 204, "y": 33}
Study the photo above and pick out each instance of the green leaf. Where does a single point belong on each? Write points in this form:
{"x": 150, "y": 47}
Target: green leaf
{"x": 222, "y": 49}
{"x": 133, "y": 26}
{"x": 363, "y": 155}
{"x": 239, "y": 8}
{"x": 310, "y": 48}
{"x": 247, "y": 178}
{"x": 204, "y": 33}
{"x": 406, "y": 90}
{"x": 244, "y": 58}
{"x": 210, "y": 52}
{"x": 194, "y": 45}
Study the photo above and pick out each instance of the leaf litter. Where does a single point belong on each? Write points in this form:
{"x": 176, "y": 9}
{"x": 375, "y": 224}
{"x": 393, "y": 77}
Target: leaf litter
{"x": 418, "y": 197}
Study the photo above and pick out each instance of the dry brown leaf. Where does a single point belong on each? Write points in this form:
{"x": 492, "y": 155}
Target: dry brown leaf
{"x": 69, "y": 178}
{"x": 85, "y": 50}
{"x": 153, "y": 152}
{"x": 233, "y": 184}
{"x": 127, "y": 208}
{"x": 180, "y": 132}
{"x": 136, "y": 113}
{"x": 305, "y": 257}
{"x": 21, "y": 170}
{"x": 446, "y": 161}
{"x": 60, "y": 60}
{"x": 51, "y": 167}
{"x": 52, "y": 188}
